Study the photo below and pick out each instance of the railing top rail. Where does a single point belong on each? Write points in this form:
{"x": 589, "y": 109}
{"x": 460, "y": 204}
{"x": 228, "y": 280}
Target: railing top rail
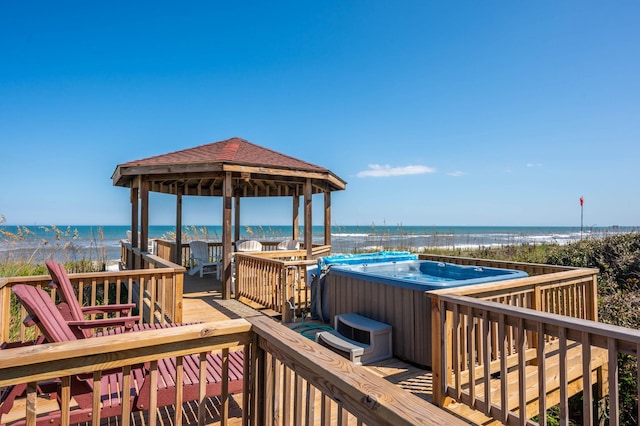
{"x": 519, "y": 283}
{"x": 274, "y": 257}
{"x": 94, "y": 275}
{"x": 476, "y": 259}
{"x": 51, "y": 360}
{"x": 369, "y": 397}
{"x": 576, "y": 325}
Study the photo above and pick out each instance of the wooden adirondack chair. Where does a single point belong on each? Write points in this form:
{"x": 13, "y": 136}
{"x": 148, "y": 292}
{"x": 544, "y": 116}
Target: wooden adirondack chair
{"x": 43, "y": 313}
{"x": 74, "y": 313}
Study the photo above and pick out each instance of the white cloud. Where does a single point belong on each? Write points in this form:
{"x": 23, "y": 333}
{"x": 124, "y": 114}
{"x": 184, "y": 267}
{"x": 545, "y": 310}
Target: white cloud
{"x": 534, "y": 165}
{"x": 457, "y": 173}
{"x": 376, "y": 170}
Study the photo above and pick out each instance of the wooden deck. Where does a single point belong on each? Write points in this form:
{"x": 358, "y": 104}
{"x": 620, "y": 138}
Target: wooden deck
{"x": 203, "y": 302}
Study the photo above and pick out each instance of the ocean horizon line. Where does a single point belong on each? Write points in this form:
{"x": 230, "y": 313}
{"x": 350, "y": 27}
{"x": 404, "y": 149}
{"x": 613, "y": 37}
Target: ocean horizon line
{"x": 91, "y": 240}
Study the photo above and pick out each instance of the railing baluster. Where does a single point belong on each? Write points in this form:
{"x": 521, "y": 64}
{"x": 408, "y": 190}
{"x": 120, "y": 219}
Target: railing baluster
{"x": 487, "y": 364}
{"x": 522, "y": 378}
{"x": 587, "y": 392}
{"x": 126, "y": 397}
{"x": 270, "y": 404}
{"x": 325, "y": 410}
{"x": 32, "y": 403}
{"x": 297, "y": 405}
{"x": 614, "y": 400}
{"x": 310, "y": 408}
{"x": 562, "y": 367}
{"x": 542, "y": 374}
{"x": 153, "y": 392}
{"x": 97, "y": 376}
{"x": 504, "y": 383}
{"x": 65, "y": 400}
{"x": 471, "y": 356}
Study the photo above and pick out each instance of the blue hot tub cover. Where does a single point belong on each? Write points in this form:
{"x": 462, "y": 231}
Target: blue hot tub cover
{"x": 360, "y": 258}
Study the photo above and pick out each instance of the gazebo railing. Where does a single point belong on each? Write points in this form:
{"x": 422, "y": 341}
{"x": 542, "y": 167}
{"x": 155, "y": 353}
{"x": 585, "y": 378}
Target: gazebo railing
{"x": 167, "y": 249}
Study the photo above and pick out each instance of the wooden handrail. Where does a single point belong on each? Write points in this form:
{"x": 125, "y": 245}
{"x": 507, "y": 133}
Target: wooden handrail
{"x": 283, "y": 372}
{"x": 501, "y": 337}
{"x": 99, "y": 356}
{"x": 571, "y": 293}
{"x": 349, "y": 389}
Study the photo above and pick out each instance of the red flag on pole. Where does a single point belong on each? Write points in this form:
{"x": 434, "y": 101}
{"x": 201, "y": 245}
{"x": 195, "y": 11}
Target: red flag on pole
{"x": 581, "y": 201}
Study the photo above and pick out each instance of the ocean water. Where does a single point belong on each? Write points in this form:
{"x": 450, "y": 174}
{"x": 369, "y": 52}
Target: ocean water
{"x": 72, "y": 242}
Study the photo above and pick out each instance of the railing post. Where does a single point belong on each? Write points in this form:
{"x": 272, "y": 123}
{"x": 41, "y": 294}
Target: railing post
{"x": 536, "y": 304}
{"x": 5, "y": 309}
{"x": 592, "y": 302}
{"x": 439, "y": 350}
{"x": 287, "y": 315}
{"x": 259, "y": 385}
{"x": 178, "y": 279}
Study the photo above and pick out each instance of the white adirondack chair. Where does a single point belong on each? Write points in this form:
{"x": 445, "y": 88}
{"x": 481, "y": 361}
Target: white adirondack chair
{"x": 288, "y": 245}
{"x": 248, "y": 245}
{"x": 200, "y": 261}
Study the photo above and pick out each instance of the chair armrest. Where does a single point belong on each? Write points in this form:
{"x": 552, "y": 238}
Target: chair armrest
{"x": 124, "y": 309}
{"x": 106, "y": 322}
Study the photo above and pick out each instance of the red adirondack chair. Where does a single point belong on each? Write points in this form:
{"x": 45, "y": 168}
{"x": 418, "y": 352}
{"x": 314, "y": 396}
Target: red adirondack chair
{"x": 74, "y": 313}
{"x": 43, "y": 312}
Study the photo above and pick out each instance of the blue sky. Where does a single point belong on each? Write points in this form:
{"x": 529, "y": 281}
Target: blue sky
{"x": 435, "y": 113}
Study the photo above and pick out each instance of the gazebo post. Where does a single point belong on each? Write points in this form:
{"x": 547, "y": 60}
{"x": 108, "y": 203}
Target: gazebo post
{"x": 295, "y": 222}
{"x": 236, "y": 220}
{"x": 144, "y": 215}
{"x": 226, "y": 236}
{"x": 179, "y": 191}
{"x": 308, "y": 223}
{"x": 327, "y": 218}
{"x": 134, "y": 221}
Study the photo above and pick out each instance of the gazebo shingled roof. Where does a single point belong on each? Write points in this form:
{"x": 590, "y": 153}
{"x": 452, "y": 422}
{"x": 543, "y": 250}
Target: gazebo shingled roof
{"x": 231, "y": 169}
{"x": 258, "y": 171}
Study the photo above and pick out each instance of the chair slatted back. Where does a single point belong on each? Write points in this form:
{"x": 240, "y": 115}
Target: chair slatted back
{"x": 44, "y": 313}
{"x": 199, "y": 250}
{"x": 60, "y": 280}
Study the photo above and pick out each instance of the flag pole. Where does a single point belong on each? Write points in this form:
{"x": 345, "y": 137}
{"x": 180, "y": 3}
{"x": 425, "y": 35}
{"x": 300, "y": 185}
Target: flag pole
{"x": 581, "y": 215}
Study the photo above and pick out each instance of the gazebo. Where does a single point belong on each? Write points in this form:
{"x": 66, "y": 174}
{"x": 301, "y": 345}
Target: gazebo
{"x": 231, "y": 169}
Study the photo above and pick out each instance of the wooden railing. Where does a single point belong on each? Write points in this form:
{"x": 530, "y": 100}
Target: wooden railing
{"x": 502, "y": 360}
{"x": 275, "y": 280}
{"x": 121, "y": 354}
{"x": 571, "y": 292}
{"x": 529, "y": 268}
{"x": 300, "y": 383}
{"x": 287, "y": 378}
{"x": 166, "y": 249}
{"x": 156, "y": 292}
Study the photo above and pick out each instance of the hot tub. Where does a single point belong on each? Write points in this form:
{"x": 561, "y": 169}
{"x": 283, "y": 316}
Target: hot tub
{"x": 394, "y": 293}
{"x": 426, "y": 275}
